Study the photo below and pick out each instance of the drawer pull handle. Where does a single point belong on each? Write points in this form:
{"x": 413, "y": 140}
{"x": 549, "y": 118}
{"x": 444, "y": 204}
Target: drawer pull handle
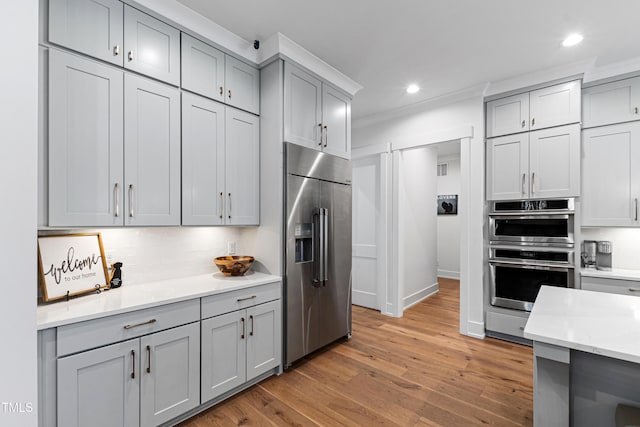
{"x": 251, "y": 318}
{"x": 243, "y": 329}
{"x": 247, "y": 298}
{"x": 634, "y": 289}
{"x": 133, "y": 362}
{"x": 148, "y": 322}
{"x": 148, "y": 359}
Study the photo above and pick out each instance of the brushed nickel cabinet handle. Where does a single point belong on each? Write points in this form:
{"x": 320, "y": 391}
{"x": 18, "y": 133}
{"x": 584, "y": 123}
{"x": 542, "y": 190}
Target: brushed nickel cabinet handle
{"x": 230, "y": 206}
{"x": 636, "y": 209}
{"x": 133, "y": 363}
{"x": 251, "y": 318}
{"x": 131, "y": 200}
{"x": 116, "y": 196}
{"x": 326, "y": 135}
{"x": 243, "y": 328}
{"x": 524, "y": 175}
{"x": 229, "y": 93}
{"x": 221, "y": 90}
{"x": 634, "y": 289}
{"x": 320, "y": 126}
{"x": 523, "y": 123}
{"x": 533, "y": 182}
{"x": 245, "y": 299}
{"x": 533, "y": 122}
{"x": 130, "y": 55}
{"x": 116, "y": 50}
{"x": 221, "y": 204}
{"x": 635, "y": 110}
{"x": 148, "y": 322}
{"x": 148, "y": 359}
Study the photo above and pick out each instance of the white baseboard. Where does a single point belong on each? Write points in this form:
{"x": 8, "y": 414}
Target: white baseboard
{"x": 475, "y": 329}
{"x": 448, "y": 274}
{"x": 416, "y": 297}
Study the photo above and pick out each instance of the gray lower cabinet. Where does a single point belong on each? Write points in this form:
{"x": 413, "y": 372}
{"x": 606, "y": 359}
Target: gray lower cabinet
{"x": 93, "y": 27}
{"x": 144, "y": 381}
{"x": 113, "y": 160}
{"x": 240, "y": 346}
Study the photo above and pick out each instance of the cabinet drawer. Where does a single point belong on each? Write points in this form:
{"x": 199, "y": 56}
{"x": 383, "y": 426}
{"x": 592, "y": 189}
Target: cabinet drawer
{"x": 506, "y": 324}
{"x": 243, "y": 298}
{"x": 612, "y": 286}
{"x": 95, "y": 333}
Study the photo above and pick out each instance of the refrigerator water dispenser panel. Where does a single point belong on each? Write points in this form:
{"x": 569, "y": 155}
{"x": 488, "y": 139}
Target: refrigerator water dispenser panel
{"x": 304, "y": 242}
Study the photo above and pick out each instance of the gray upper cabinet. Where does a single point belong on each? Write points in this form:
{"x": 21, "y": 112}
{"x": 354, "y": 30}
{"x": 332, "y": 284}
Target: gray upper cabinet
{"x": 203, "y": 158}
{"x": 151, "y": 46}
{"x": 152, "y": 152}
{"x": 202, "y": 68}
{"x": 93, "y": 27}
{"x": 242, "y": 85}
{"x": 316, "y": 115}
{"x": 611, "y": 103}
{"x": 551, "y": 106}
{"x": 242, "y": 168}
{"x": 209, "y": 72}
{"x": 85, "y": 142}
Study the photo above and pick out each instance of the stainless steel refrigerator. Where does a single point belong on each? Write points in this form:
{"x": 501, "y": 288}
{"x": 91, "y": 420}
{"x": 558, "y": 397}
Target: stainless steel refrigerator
{"x": 317, "y": 249}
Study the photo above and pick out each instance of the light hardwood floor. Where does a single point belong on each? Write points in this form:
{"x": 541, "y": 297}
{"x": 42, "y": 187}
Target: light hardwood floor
{"x": 417, "y": 370}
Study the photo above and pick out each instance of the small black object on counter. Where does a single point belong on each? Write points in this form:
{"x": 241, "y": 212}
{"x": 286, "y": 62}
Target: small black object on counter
{"x": 116, "y": 275}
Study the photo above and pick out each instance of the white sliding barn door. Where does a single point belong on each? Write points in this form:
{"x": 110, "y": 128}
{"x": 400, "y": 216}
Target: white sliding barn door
{"x": 369, "y": 238}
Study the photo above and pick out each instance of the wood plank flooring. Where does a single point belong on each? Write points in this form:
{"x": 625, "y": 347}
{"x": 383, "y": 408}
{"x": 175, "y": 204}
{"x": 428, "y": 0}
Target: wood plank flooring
{"x": 413, "y": 371}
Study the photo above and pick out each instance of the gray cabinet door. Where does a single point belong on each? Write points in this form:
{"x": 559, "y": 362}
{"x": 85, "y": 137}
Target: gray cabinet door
{"x": 93, "y": 27}
{"x": 224, "y": 348}
{"x": 336, "y": 120}
{"x": 85, "y": 142}
{"x": 508, "y": 167}
{"x": 152, "y": 153}
{"x": 100, "y": 387}
{"x": 202, "y": 68}
{"x": 264, "y": 338}
{"x": 302, "y": 107}
{"x": 151, "y": 46}
{"x": 242, "y": 170}
{"x": 203, "y": 157}
{"x": 508, "y": 115}
{"x": 169, "y": 374}
{"x": 242, "y": 85}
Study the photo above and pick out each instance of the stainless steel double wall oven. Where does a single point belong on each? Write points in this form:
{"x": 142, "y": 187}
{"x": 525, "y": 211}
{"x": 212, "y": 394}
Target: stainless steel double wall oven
{"x": 531, "y": 243}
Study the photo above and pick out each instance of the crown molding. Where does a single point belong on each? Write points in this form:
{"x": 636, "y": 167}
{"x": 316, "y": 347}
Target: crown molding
{"x": 612, "y": 71}
{"x": 279, "y": 45}
{"x": 442, "y": 100}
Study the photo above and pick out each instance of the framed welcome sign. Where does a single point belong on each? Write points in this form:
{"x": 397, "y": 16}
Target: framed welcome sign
{"x": 71, "y": 264}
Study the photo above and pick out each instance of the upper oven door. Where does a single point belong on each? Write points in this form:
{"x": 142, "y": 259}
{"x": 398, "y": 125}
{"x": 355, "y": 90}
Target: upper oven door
{"x": 557, "y": 228}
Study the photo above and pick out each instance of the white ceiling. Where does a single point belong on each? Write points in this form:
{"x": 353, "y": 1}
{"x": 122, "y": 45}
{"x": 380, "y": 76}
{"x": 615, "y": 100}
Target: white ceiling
{"x": 443, "y": 45}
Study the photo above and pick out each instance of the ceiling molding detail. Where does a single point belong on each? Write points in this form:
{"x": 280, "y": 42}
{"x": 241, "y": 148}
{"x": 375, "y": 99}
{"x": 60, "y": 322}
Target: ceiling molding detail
{"x": 280, "y": 45}
{"x": 615, "y": 70}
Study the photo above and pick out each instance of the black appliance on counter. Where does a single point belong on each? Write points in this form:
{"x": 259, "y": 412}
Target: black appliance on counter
{"x": 531, "y": 243}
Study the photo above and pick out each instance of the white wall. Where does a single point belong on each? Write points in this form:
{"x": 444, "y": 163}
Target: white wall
{"x": 625, "y": 245}
{"x": 416, "y": 227}
{"x": 425, "y": 119}
{"x": 449, "y": 225}
{"x": 19, "y": 124}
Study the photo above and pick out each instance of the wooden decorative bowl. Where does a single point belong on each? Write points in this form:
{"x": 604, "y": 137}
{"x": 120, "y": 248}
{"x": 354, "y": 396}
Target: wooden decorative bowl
{"x": 233, "y": 265}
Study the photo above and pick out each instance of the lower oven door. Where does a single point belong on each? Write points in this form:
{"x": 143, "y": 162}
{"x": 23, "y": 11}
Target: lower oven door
{"x": 516, "y": 285}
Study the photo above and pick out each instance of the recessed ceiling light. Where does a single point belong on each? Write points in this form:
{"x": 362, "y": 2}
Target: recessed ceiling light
{"x": 573, "y": 39}
{"x": 413, "y": 88}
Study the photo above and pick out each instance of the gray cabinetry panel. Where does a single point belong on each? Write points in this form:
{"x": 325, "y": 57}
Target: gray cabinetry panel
{"x": 202, "y": 161}
{"x": 151, "y": 46}
{"x": 302, "y": 107}
{"x": 93, "y": 27}
{"x": 242, "y": 84}
{"x": 202, "y": 68}
{"x": 152, "y": 153}
{"x": 85, "y": 142}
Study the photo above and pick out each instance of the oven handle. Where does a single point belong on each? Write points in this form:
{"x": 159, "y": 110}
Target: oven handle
{"x": 541, "y": 215}
{"x": 547, "y": 267}
{"x": 520, "y": 261}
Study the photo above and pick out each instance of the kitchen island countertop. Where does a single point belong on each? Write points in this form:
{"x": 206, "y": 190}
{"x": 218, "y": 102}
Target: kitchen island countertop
{"x": 593, "y": 322}
{"x": 145, "y": 295}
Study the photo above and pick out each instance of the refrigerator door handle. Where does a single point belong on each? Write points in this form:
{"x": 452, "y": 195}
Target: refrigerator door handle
{"x": 318, "y": 260}
{"x": 324, "y": 217}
